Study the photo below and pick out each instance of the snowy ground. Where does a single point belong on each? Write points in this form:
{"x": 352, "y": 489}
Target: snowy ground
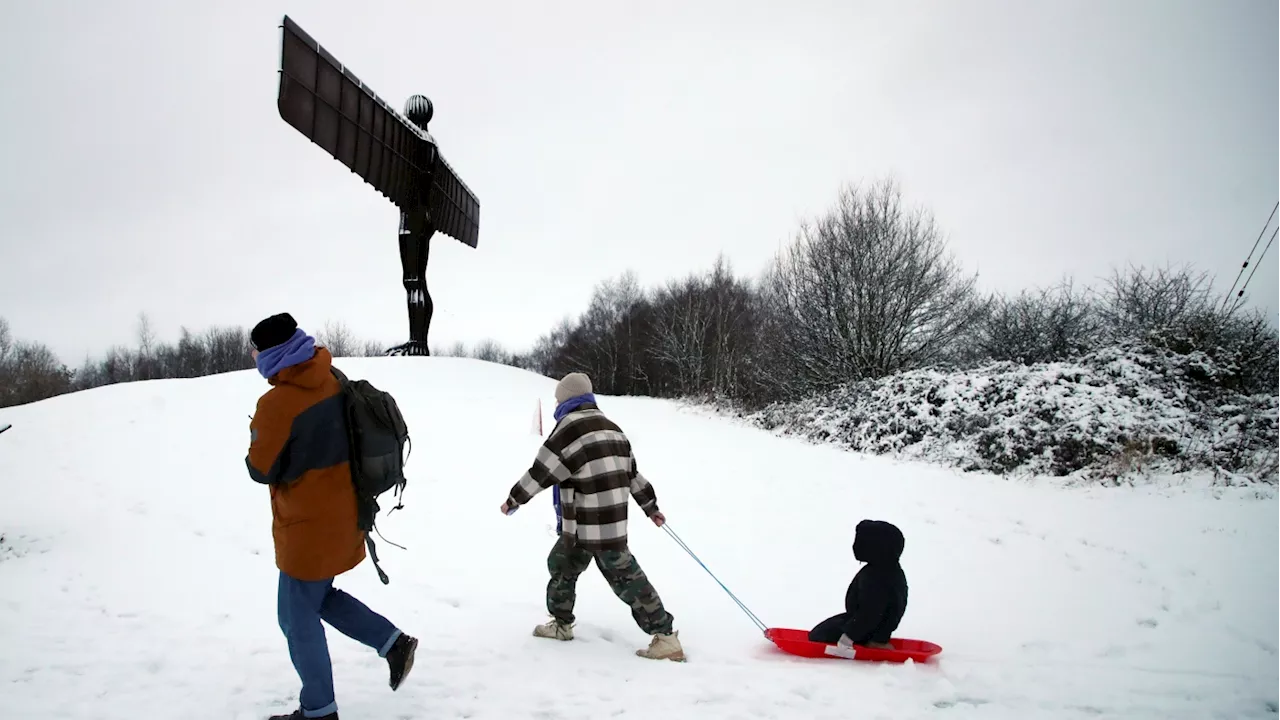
{"x": 137, "y": 579}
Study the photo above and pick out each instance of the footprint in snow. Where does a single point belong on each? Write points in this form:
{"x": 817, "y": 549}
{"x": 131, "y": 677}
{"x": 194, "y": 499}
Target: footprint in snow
{"x": 945, "y": 704}
{"x": 1149, "y": 622}
{"x": 1038, "y": 647}
{"x": 1113, "y": 651}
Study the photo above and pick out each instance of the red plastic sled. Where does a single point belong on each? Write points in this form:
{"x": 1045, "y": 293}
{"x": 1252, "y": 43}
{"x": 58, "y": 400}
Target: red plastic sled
{"x": 796, "y": 642}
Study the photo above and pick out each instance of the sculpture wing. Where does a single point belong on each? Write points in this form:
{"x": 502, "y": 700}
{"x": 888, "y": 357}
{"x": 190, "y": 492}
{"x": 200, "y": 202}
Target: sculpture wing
{"x": 328, "y": 104}
{"x": 455, "y": 211}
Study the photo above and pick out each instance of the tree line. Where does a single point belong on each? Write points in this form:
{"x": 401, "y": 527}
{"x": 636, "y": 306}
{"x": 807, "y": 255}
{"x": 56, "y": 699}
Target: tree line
{"x": 30, "y": 371}
{"x": 866, "y": 290}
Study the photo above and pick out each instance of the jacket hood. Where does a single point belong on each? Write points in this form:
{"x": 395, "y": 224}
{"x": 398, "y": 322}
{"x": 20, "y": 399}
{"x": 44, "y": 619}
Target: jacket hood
{"x": 876, "y": 541}
{"x": 309, "y": 374}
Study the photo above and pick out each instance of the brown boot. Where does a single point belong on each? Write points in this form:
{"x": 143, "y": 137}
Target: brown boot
{"x": 554, "y": 630}
{"x": 664, "y": 647}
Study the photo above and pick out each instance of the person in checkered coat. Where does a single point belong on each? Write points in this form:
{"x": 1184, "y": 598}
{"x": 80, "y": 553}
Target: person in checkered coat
{"x": 589, "y": 461}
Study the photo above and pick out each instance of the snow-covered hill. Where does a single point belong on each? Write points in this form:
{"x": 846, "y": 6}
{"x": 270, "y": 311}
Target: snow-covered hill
{"x": 137, "y": 580}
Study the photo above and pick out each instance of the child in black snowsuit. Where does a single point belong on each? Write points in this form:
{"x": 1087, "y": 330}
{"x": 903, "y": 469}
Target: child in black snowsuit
{"x": 877, "y": 597}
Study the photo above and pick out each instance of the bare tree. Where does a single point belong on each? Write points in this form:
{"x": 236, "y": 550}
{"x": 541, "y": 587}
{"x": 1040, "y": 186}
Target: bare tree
{"x": 145, "y": 363}
{"x": 606, "y": 335}
{"x": 228, "y": 349}
{"x": 490, "y": 351}
{"x": 703, "y": 334}
{"x": 338, "y": 338}
{"x": 458, "y": 350}
{"x": 193, "y": 357}
{"x": 733, "y": 331}
{"x": 545, "y": 357}
{"x": 7, "y": 379}
{"x": 869, "y": 290}
{"x": 1141, "y": 301}
{"x": 1053, "y": 324}
{"x": 372, "y": 349}
{"x": 6, "y": 340}
{"x": 32, "y": 372}
{"x": 681, "y": 326}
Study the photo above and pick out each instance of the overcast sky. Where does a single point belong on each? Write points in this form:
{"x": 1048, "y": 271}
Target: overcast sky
{"x": 145, "y": 166}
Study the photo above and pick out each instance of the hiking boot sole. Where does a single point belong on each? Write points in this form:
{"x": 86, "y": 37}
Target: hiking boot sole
{"x": 675, "y": 657}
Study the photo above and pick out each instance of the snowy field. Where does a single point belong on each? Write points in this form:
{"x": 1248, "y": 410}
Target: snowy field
{"x": 137, "y": 577}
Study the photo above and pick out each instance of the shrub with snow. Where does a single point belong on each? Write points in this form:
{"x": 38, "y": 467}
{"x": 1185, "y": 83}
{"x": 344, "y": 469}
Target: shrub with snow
{"x": 1118, "y": 412}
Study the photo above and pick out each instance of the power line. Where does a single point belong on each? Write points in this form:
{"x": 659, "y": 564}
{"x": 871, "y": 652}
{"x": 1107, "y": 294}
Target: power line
{"x": 1250, "y": 255}
{"x": 1240, "y": 297}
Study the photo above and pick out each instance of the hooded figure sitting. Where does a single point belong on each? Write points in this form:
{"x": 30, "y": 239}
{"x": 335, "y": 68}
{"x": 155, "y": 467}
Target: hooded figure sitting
{"x": 877, "y": 597}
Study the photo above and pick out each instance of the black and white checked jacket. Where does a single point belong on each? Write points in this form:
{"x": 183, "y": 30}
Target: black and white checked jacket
{"x": 591, "y": 460}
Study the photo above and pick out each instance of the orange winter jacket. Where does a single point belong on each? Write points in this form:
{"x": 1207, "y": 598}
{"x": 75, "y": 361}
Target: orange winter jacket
{"x": 298, "y": 447}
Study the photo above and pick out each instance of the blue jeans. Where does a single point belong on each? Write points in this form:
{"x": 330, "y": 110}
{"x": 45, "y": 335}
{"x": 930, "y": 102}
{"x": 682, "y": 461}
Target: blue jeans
{"x": 302, "y": 605}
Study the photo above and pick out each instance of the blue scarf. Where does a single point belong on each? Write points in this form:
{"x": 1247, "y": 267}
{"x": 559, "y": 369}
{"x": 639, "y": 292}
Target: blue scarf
{"x": 572, "y": 404}
{"x": 294, "y": 351}
{"x": 563, "y": 409}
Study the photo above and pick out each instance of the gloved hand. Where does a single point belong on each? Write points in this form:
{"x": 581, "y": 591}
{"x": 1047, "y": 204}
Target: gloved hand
{"x": 845, "y": 642}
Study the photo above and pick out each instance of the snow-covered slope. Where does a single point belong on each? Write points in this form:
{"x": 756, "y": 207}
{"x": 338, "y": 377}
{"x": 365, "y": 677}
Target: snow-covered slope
{"x": 137, "y": 579}
{"x": 1117, "y": 415}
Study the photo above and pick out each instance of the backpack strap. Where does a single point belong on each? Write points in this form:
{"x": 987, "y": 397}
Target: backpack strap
{"x": 373, "y": 555}
{"x": 368, "y": 539}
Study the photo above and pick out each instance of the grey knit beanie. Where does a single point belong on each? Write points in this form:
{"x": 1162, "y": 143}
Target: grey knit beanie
{"x": 573, "y": 385}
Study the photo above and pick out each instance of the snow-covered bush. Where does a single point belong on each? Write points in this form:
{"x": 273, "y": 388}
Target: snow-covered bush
{"x": 1123, "y": 410}
{"x": 1048, "y": 325}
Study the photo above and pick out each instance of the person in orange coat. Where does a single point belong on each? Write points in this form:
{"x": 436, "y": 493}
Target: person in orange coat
{"x": 298, "y": 448}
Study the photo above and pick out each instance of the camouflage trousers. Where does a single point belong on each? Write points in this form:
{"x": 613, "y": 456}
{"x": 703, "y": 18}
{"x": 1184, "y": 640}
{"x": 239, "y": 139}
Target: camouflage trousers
{"x": 620, "y": 570}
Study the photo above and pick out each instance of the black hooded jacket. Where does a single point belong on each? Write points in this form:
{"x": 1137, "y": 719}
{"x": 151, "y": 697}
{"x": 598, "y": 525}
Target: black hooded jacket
{"x": 877, "y": 597}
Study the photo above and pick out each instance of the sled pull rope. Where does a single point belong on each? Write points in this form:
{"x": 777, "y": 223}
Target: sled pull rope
{"x": 745, "y": 609}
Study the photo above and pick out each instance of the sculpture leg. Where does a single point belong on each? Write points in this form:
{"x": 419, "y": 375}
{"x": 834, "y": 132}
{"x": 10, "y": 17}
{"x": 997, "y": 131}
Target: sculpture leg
{"x": 415, "y": 246}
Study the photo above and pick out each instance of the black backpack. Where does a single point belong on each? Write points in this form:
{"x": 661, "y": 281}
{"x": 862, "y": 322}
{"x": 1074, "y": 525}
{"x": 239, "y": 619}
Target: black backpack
{"x": 376, "y": 438}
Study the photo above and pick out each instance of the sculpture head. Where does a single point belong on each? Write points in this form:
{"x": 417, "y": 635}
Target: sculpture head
{"x": 418, "y": 110}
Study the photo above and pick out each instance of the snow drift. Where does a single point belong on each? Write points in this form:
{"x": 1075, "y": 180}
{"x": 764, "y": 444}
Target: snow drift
{"x": 137, "y": 579}
{"x": 1117, "y": 414}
